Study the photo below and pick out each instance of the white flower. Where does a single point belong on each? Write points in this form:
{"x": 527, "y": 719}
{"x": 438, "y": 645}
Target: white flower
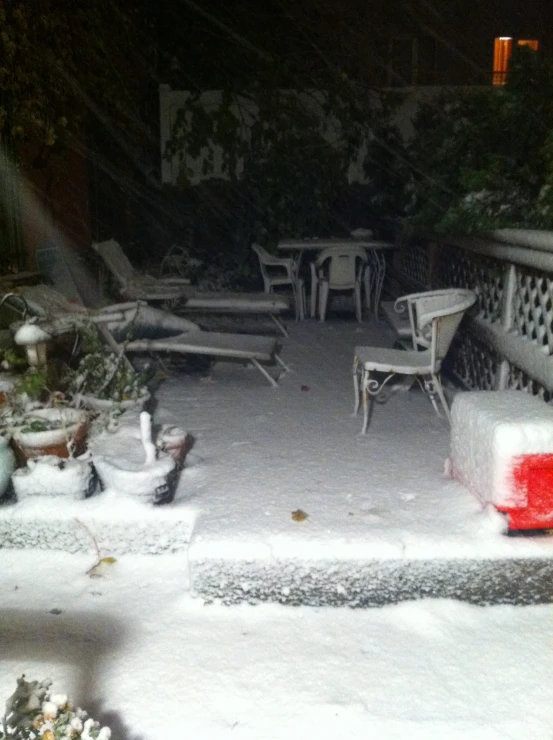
{"x": 76, "y": 724}
{"x": 49, "y": 710}
{"x": 60, "y": 700}
{"x": 104, "y": 734}
{"x": 88, "y": 725}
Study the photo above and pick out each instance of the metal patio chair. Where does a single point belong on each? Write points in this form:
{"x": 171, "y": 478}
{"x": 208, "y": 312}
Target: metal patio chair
{"x": 434, "y": 317}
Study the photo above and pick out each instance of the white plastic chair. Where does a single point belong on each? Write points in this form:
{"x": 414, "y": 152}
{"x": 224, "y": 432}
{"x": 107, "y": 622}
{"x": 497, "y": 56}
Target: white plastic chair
{"x": 434, "y": 317}
{"x": 339, "y": 269}
{"x": 278, "y": 271}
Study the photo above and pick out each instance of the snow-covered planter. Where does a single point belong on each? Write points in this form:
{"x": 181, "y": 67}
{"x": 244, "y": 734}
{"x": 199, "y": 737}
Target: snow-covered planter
{"x": 7, "y": 462}
{"x": 175, "y": 442}
{"x": 141, "y": 470}
{"x": 33, "y": 712}
{"x": 53, "y": 476}
{"x": 50, "y": 431}
{"x": 109, "y": 404}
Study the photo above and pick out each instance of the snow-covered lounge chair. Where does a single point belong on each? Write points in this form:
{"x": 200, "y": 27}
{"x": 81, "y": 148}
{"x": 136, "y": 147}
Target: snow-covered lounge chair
{"x": 155, "y": 330}
{"x": 136, "y": 286}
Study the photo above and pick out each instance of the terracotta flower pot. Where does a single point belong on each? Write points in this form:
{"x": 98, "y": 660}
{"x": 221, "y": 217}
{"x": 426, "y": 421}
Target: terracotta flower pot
{"x": 69, "y": 436}
{"x": 175, "y": 442}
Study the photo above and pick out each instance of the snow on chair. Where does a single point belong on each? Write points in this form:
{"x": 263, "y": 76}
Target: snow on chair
{"x": 182, "y": 297}
{"x": 340, "y": 269}
{"x": 278, "y": 271}
{"x": 434, "y": 317}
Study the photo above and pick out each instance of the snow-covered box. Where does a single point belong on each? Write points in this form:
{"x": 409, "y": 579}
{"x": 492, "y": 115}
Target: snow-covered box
{"x": 502, "y": 451}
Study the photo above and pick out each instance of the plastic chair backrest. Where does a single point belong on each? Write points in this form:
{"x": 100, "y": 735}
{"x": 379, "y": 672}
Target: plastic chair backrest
{"x": 116, "y": 260}
{"x": 264, "y": 257}
{"x": 342, "y": 271}
{"x": 442, "y": 316}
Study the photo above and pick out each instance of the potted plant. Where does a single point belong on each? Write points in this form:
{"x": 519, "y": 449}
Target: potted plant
{"x": 54, "y": 476}
{"x": 103, "y": 380}
{"x": 59, "y": 431}
{"x": 7, "y": 462}
{"x": 33, "y": 711}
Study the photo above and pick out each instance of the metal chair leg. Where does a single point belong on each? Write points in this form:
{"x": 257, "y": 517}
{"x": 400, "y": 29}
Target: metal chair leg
{"x": 365, "y": 390}
{"x": 314, "y": 287}
{"x": 323, "y": 300}
{"x": 441, "y": 395}
{"x": 358, "y": 306}
{"x": 356, "y": 380}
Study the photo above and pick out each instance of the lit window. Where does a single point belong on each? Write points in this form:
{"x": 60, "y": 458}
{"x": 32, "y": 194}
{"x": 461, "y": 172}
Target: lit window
{"x": 531, "y": 43}
{"x": 502, "y": 50}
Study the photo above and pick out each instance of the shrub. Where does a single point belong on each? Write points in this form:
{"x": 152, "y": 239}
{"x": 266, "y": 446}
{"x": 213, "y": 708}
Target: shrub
{"x": 482, "y": 160}
{"x": 33, "y": 712}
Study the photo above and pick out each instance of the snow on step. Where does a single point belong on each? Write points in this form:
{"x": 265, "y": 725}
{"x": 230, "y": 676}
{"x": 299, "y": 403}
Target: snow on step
{"x": 502, "y": 451}
{"x": 117, "y": 524}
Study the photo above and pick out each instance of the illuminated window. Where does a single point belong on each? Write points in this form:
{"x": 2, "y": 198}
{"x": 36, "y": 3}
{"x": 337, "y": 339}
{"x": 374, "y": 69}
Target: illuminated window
{"x": 532, "y": 43}
{"x": 502, "y": 50}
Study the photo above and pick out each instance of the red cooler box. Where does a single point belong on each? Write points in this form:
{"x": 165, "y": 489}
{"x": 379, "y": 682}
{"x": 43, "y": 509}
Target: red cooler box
{"x": 502, "y": 451}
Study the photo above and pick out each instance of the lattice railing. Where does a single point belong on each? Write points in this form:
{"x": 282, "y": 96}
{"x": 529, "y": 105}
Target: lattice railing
{"x": 533, "y": 307}
{"x": 474, "y": 363}
{"x": 415, "y": 263}
{"x": 458, "y": 268}
{"x": 507, "y": 342}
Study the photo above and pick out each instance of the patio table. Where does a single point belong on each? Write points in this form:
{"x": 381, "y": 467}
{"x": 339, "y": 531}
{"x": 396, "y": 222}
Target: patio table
{"x": 375, "y": 252}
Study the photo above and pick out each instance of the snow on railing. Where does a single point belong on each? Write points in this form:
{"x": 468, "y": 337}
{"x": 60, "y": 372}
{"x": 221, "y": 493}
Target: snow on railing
{"x": 507, "y": 340}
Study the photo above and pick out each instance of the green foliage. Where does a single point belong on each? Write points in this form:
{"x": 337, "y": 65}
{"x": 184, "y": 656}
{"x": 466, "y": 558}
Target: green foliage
{"x": 102, "y": 373}
{"x": 484, "y": 159}
{"x": 60, "y": 58}
{"x": 33, "y": 383}
{"x": 107, "y": 376}
{"x": 11, "y": 360}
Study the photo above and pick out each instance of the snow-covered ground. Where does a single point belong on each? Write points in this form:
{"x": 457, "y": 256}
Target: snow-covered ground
{"x": 138, "y": 652}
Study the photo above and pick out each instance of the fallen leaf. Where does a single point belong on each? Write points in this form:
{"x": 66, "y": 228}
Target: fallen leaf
{"x": 304, "y": 388}
{"x": 299, "y": 515}
{"x": 99, "y": 569}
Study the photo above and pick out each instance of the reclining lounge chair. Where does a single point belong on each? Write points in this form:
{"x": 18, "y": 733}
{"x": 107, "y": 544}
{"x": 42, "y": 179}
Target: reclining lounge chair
{"x": 155, "y": 330}
{"x": 135, "y": 286}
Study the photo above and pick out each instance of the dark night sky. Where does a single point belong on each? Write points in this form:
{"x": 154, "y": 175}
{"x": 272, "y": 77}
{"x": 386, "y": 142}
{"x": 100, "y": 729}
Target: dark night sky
{"x": 232, "y": 43}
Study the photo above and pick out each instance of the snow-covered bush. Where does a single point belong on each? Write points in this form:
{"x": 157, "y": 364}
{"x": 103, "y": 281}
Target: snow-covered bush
{"x": 103, "y": 374}
{"x": 33, "y": 712}
{"x": 483, "y": 159}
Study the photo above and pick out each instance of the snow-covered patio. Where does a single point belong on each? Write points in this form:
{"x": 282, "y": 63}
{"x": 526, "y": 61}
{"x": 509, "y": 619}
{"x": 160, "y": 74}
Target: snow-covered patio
{"x": 283, "y": 500}
{"x": 383, "y": 524}
{"x": 383, "y": 521}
